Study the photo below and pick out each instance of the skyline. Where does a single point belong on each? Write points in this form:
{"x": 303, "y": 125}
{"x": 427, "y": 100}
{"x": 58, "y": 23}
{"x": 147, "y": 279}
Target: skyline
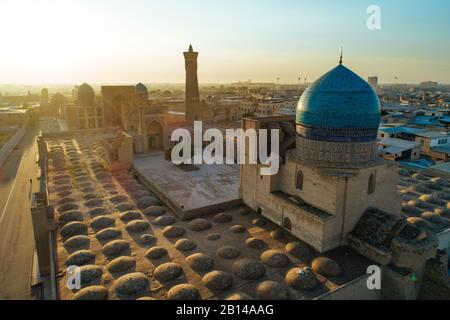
{"x": 82, "y": 42}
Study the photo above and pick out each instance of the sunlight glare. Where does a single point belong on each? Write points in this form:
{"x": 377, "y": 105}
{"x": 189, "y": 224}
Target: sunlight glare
{"x": 45, "y": 38}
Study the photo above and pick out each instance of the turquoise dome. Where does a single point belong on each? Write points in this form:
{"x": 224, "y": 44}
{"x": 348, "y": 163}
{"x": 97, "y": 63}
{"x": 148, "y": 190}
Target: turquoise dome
{"x": 339, "y": 107}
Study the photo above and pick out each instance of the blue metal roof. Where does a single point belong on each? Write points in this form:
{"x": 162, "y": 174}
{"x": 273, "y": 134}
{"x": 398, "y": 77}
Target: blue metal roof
{"x": 339, "y": 106}
{"x": 420, "y": 163}
{"x": 392, "y": 130}
{"x": 445, "y": 119}
{"x": 443, "y": 149}
{"x": 427, "y": 121}
{"x": 407, "y": 130}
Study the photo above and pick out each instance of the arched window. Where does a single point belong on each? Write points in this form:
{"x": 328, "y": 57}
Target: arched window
{"x": 372, "y": 183}
{"x": 299, "y": 180}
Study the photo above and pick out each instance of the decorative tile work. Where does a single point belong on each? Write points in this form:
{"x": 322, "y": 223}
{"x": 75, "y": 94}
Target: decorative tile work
{"x": 339, "y": 107}
{"x": 335, "y": 154}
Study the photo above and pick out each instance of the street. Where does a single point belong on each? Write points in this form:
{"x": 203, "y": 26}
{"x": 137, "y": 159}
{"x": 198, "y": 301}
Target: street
{"x": 16, "y": 232}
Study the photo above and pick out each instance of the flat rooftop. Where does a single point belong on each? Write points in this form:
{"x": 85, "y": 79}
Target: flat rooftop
{"x": 425, "y": 198}
{"x": 189, "y": 189}
{"x": 12, "y": 111}
{"x": 433, "y": 135}
{"x": 399, "y": 143}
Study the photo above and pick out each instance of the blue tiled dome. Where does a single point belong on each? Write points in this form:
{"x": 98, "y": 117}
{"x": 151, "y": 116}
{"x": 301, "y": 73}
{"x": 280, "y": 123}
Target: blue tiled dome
{"x": 339, "y": 107}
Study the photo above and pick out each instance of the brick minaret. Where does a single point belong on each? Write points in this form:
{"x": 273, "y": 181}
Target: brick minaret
{"x": 192, "y": 103}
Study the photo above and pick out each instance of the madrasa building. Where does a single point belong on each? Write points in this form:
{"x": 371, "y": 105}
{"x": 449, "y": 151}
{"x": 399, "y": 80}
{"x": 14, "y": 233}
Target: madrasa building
{"x": 334, "y": 171}
{"x": 333, "y": 189}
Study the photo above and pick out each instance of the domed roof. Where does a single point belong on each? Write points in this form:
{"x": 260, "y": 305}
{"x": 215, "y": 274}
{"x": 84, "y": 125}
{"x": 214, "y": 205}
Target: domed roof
{"x": 141, "y": 88}
{"x": 85, "y": 89}
{"x": 58, "y": 98}
{"x": 339, "y": 107}
{"x": 86, "y": 95}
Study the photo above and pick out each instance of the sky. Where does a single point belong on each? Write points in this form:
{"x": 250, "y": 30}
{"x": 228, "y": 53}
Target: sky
{"x": 130, "y": 41}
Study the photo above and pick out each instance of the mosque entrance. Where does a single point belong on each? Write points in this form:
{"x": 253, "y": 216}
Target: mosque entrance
{"x": 154, "y": 136}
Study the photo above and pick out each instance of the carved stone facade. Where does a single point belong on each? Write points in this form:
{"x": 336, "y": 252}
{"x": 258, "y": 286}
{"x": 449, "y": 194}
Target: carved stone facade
{"x": 320, "y": 201}
{"x": 150, "y": 124}
{"x": 113, "y": 96}
{"x": 334, "y": 190}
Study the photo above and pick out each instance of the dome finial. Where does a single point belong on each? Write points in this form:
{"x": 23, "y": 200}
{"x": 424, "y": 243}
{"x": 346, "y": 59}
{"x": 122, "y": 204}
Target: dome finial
{"x": 190, "y": 48}
{"x": 341, "y": 59}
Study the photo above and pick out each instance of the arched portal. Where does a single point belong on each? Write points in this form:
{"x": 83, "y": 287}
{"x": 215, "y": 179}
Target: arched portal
{"x": 155, "y": 136}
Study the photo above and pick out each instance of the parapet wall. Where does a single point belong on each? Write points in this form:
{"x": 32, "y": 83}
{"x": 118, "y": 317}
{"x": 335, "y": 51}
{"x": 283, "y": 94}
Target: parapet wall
{"x": 413, "y": 254}
{"x": 354, "y": 290}
{"x": 104, "y": 132}
{"x": 397, "y": 285}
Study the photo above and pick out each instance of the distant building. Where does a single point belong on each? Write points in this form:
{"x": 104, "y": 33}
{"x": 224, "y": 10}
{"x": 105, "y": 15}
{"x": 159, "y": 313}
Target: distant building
{"x": 86, "y": 96}
{"x": 141, "y": 92}
{"x": 429, "y": 84}
{"x": 269, "y": 107}
{"x": 13, "y": 126}
{"x": 399, "y": 150}
{"x": 113, "y": 97}
{"x": 29, "y": 98}
{"x": 53, "y": 107}
{"x": 16, "y": 116}
{"x": 78, "y": 117}
{"x": 57, "y": 102}
{"x": 427, "y": 122}
{"x": 373, "y": 81}
{"x": 248, "y": 108}
{"x": 435, "y": 145}
{"x": 45, "y": 99}
{"x": 75, "y": 93}
{"x": 85, "y": 113}
{"x": 150, "y": 124}
{"x": 403, "y": 133}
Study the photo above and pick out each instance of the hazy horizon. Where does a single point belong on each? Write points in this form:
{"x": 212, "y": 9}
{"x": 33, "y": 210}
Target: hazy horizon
{"x": 100, "y": 42}
{"x": 182, "y": 84}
